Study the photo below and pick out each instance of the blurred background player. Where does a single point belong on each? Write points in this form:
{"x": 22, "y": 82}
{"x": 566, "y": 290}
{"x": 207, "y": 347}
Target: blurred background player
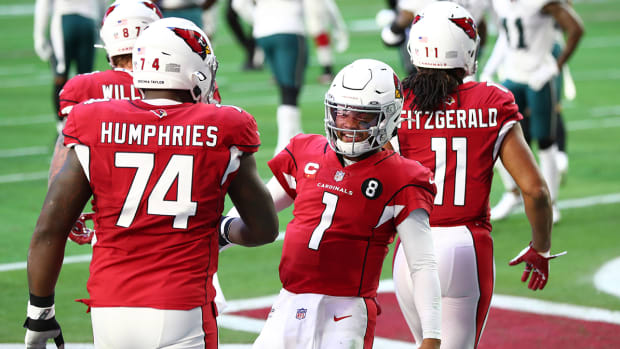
{"x": 278, "y": 27}
{"x": 323, "y": 16}
{"x": 64, "y": 34}
{"x": 523, "y": 53}
{"x": 396, "y": 31}
{"x": 254, "y": 56}
{"x": 458, "y": 130}
{"x": 155, "y": 254}
{"x": 332, "y": 255}
{"x": 188, "y": 9}
{"x": 122, "y": 23}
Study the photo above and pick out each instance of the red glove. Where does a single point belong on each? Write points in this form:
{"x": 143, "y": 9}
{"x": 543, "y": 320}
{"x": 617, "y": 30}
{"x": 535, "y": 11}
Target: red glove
{"x": 538, "y": 263}
{"x": 80, "y": 233}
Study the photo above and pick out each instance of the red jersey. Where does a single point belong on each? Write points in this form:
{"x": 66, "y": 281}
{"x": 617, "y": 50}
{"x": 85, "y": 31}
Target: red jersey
{"x": 110, "y": 84}
{"x": 460, "y": 144}
{"x": 159, "y": 175}
{"x": 344, "y": 217}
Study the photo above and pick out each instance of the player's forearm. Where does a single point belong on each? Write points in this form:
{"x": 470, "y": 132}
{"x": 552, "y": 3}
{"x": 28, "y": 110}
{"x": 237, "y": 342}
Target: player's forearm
{"x": 539, "y": 213}
{"x": 417, "y": 242}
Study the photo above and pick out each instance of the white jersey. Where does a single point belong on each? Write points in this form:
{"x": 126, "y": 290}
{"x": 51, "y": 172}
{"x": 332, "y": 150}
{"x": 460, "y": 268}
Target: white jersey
{"x": 529, "y": 34}
{"x": 413, "y": 6}
{"x": 178, "y": 4}
{"x": 477, "y": 8}
{"x": 86, "y": 8}
{"x": 278, "y": 17}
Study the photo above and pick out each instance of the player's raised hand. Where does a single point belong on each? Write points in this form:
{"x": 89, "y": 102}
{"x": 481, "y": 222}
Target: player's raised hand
{"x": 537, "y": 264}
{"x": 80, "y": 233}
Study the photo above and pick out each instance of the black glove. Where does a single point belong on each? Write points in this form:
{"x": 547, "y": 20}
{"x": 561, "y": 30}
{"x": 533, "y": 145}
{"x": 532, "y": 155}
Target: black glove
{"x": 41, "y": 323}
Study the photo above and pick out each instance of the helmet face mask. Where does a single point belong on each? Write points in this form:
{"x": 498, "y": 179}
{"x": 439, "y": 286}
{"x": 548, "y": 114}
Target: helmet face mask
{"x": 366, "y": 93}
{"x": 123, "y": 22}
{"x": 175, "y": 54}
{"x": 444, "y": 36}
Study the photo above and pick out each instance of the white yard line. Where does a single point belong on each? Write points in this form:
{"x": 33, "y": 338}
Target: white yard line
{"x": 18, "y": 152}
{"x": 23, "y": 177}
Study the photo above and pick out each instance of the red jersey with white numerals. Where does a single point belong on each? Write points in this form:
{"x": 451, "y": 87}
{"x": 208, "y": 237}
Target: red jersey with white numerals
{"x": 344, "y": 217}
{"x": 159, "y": 175}
{"x": 460, "y": 144}
{"x": 110, "y": 84}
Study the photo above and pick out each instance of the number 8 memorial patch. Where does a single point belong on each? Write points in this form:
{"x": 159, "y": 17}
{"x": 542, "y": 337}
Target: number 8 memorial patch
{"x": 372, "y": 188}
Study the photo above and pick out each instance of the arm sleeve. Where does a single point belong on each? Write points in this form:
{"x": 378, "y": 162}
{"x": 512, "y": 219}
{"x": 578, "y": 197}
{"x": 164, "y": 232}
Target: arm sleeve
{"x": 496, "y": 58}
{"x": 284, "y": 168}
{"x": 417, "y": 241}
{"x": 281, "y": 199}
{"x": 42, "y": 11}
{"x": 245, "y": 136}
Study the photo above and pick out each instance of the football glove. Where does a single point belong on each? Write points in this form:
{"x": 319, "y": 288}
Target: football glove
{"x": 80, "y": 233}
{"x": 542, "y": 75}
{"x": 393, "y": 35}
{"x": 223, "y": 229}
{"x": 536, "y": 262}
{"x": 41, "y": 323}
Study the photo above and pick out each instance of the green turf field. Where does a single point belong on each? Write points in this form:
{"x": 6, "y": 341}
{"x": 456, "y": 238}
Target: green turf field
{"x": 588, "y": 230}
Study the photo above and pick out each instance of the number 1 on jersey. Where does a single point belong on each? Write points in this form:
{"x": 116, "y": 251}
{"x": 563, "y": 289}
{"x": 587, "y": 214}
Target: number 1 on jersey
{"x": 329, "y": 200}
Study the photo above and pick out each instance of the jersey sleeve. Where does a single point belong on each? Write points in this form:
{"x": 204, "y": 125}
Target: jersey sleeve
{"x": 71, "y": 94}
{"x": 73, "y": 132}
{"x": 284, "y": 168}
{"x": 245, "y": 135}
{"x": 419, "y": 192}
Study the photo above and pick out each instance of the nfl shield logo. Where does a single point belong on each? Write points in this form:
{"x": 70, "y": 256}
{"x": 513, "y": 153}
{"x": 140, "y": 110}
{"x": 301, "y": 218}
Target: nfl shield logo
{"x": 339, "y": 176}
{"x": 301, "y": 314}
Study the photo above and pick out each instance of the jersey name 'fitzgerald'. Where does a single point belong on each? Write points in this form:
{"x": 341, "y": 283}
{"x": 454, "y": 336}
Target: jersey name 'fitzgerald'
{"x": 164, "y": 135}
{"x": 451, "y": 118}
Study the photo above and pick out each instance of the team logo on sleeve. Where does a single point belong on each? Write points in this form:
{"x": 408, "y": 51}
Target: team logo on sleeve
{"x": 372, "y": 188}
{"x": 194, "y": 40}
{"x": 468, "y": 26}
{"x": 301, "y": 313}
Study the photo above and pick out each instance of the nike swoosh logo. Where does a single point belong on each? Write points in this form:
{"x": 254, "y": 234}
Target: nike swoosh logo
{"x": 342, "y": 317}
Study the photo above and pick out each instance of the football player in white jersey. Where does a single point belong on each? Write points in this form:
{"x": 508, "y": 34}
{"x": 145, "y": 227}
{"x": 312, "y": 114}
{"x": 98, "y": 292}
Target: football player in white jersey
{"x": 523, "y": 53}
{"x": 321, "y": 17}
{"x": 64, "y": 33}
{"x": 278, "y": 26}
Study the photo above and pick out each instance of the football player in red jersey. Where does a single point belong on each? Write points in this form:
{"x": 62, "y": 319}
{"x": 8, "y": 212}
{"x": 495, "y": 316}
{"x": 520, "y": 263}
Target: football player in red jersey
{"x": 121, "y": 25}
{"x": 159, "y": 169}
{"x": 351, "y": 197}
{"x": 459, "y": 130}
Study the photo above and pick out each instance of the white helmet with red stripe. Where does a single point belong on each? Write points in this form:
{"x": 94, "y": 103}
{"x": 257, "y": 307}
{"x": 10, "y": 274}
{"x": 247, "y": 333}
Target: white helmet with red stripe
{"x": 123, "y": 22}
{"x": 173, "y": 53}
{"x": 444, "y": 36}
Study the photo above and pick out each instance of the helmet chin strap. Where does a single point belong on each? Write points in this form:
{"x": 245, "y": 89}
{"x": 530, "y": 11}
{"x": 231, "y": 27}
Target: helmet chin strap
{"x": 353, "y": 148}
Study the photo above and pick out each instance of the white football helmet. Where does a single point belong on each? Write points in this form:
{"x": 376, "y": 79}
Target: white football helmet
{"x": 444, "y": 36}
{"x": 173, "y": 53}
{"x": 366, "y": 86}
{"x": 123, "y": 22}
